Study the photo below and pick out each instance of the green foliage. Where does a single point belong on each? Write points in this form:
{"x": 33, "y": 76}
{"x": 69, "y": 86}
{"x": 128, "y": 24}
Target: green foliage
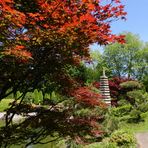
{"x": 135, "y": 127}
{"x": 129, "y": 59}
{"x": 122, "y": 138}
{"x": 92, "y": 74}
{"x": 138, "y": 96}
{"x": 143, "y": 107}
{"x": 118, "y": 139}
{"x": 78, "y": 73}
{"x": 83, "y": 112}
{"x": 121, "y": 110}
{"x": 102, "y": 145}
{"x": 71, "y": 144}
{"x": 54, "y": 144}
{"x": 18, "y": 94}
{"x": 94, "y": 70}
{"x": 111, "y": 123}
{"x": 145, "y": 82}
{"x": 131, "y": 85}
{"x": 4, "y": 104}
{"x": 135, "y": 116}
{"x": 123, "y": 101}
{"x": 92, "y": 112}
{"x": 35, "y": 97}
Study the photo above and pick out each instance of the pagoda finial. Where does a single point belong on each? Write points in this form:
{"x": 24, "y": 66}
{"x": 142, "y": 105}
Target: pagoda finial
{"x": 104, "y": 71}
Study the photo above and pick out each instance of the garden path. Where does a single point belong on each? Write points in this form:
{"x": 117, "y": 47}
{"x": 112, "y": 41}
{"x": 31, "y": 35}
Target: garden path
{"x": 16, "y": 117}
{"x": 142, "y": 139}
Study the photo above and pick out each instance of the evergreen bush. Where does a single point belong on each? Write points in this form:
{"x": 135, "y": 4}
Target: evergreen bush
{"x": 122, "y": 139}
{"x": 122, "y": 110}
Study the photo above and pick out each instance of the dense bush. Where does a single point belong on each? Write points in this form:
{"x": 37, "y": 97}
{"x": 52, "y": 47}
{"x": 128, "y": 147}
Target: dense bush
{"x": 135, "y": 116}
{"x": 143, "y": 107}
{"x": 122, "y": 110}
{"x": 118, "y": 139}
{"x": 35, "y": 97}
{"x": 116, "y": 90}
{"x": 137, "y": 97}
{"x": 102, "y": 145}
{"x": 145, "y": 82}
{"x": 130, "y": 85}
{"x": 92, "y": 112}
{"x": 123, "y": 102}
{"x": 111, "y": 123}
{"x": 122, "y": 139}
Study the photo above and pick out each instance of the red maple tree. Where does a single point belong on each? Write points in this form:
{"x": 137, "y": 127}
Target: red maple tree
{"x": 40, "y": 38}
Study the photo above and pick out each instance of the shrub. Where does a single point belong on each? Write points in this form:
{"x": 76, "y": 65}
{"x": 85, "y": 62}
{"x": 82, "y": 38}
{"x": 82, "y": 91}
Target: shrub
{"x": 137, "y": 97}
{"x": 83, "y": 112}
{"x": 102, "y": 145}
{"x": 143, "y": 107}
{"x": 92, "y": 112}
{"x": 144, "y": 115}
{"x": 115, "y": 89}
{"x": 145, "y": 82}
{"x": 122, "y": 138}
{"x": 121, "y": 111}
{"x": 124, "y": 118}
{"x": 130, "y": 85}
{"x": 35, "y": 97}
{"x": 123, "y": 102}
{"x": 111, "y": 123}
{"x": 135, "y": 116}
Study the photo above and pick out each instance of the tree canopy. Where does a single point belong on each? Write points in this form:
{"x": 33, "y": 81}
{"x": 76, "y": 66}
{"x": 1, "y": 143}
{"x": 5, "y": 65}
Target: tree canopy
{"x": 123, "y": 60}
{"x": 128, "y": 59}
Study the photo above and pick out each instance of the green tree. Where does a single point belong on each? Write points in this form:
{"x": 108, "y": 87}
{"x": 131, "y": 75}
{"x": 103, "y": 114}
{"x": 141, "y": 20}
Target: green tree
{"x": 93, "y": 71}
{"x": 127, "y": 59}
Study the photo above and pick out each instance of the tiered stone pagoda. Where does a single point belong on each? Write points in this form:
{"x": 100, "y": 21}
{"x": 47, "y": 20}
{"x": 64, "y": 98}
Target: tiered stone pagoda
{"x": 104, "y": 88}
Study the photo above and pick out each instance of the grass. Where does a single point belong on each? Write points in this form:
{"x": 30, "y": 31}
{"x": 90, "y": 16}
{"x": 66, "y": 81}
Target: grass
{"x": 4, "y": 104}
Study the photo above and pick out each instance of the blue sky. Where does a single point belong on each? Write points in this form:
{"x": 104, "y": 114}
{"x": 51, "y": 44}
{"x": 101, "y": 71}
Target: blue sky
{"x": 137, "y": 19}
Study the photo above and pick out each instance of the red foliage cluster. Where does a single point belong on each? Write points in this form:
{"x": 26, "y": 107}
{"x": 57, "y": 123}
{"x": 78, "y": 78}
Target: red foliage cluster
{"x": 85, "y": 22}
{"x": 20, "y": 52}
{"x": 95, "y": 129}
{"x": 86, "y": 96}
{"x": 56, "y": 33}
{"x": 96, "y": 84}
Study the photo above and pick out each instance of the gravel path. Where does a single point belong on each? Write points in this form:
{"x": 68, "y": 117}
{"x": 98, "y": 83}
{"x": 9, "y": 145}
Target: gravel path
{"x": 16, "y": 117}
{"x": 142, "y": 139}
{"x": 2, "y": 114}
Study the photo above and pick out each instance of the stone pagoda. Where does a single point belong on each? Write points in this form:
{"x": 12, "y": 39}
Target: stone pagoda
{"x": 104, "y": 88}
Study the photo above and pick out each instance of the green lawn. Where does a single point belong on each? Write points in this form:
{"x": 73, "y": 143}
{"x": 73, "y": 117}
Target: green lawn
{"x": 4, "y": 104}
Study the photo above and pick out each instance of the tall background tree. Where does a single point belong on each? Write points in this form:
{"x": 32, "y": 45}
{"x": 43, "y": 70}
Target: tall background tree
{"x": 128, "y": 59}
